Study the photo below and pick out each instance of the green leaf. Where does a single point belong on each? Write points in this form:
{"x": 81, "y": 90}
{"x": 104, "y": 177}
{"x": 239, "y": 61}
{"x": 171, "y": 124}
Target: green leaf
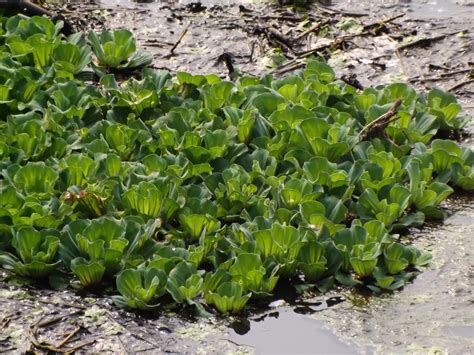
{"x": 228, "y": 297}
{"x": 141, "y": 288}
{"x": 36, "y": 178}
{"x": 184, "y": 283}
{"x": 312, "y": 262}
{"x": 267, "y": 103}
{"x": 363, "y": 258}
{"x": 197, "y": 225}
{"x": 71, "y": 58}
{"x": 145, "y": 199}
{"x": 89, "y": 273}
{"x": 117, "y": 49}
{"x": 321, "y": 70}
{"x": 249, "y": 271}
{"x": 394, "y": 260}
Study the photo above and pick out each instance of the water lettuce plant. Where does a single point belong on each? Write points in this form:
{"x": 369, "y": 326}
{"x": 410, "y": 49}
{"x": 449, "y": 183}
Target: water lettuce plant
{"x": 192, "y": 189}
{"x": 93, "y": 249}
{"x": 140, "y": 288}
{"x": 229, "y": 297}
{"x": 117, "y": 50}
{"x": 35, "y": 253}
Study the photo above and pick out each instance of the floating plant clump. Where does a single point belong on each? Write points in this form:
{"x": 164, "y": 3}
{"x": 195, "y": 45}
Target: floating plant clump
{"x": 192, "y": 189}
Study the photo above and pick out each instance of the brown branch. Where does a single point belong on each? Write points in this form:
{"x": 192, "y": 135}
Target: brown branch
{"x": 52, "y": 348}
{"x": 336, "y": 42}
{"x": 70, "y": 305}
{"x": 339, "y": 12}
{"x": 378, "y": 125}
{"x": 443, "y": 76}
{"x": 402, "y": 62}
{"x": 68, "y": 337}
{"x": 339, "y": 40}
{"x": 382, "y": 22}
{"x": 280, "y": 37}
{"x": 313, "y": 28}
{"x": 461, "y": 84}
{"x": 176, "y": 44}
{"x": 78, "y": 346}
{"x": 423, "y": 42}
{"x": 257, "y": 17}
{"x": 282, "y": 70}
{"x": 44, "y": 323}
{"x": 40, "y": 323}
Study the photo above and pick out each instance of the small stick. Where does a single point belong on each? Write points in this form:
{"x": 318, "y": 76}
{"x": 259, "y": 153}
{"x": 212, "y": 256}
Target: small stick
{"x": 252, "y": 50}
{"x": 442, "y": 76}
{"x": 422, "y": 75}
{"x": 344, "y": 13}
{"x": 34, "y": 340}
{"x": 289, "y": 68}
{"x": 256, "y": 18}
{"x": 7, "y": 350}
{"x": 150, "y": 348}
{"x": 461, "y": 71}
{"x": 280, "y": 37}
{"x": 68, "y": 337}
{"x": 78, "y": 346}
{"x": 322, "y": 47}
{"x": 72, "y": 305}
{"x": 5, "y": 322}
{"x": 461, "y": 84}
{"x": 383, "y": 22}
{"x": 313, "y": 28}
{"x": 57, "y": 319}
{"x": 335, "y": 42}
{"x": 385, "y": 117}
{"x": 180, "y": 38}
{"x": 283, "y": 66}
{"x": 427, "y": 41}
{"x": 44, "y": 323}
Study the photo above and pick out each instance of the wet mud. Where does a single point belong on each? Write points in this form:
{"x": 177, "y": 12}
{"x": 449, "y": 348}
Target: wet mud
{"x": 429, "y": 45}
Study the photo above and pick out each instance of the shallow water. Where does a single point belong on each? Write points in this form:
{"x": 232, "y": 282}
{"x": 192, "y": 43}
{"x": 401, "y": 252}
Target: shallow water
{"x": 420, "y": 8}
{"x": 285, "y": 331}
{"x": 417, "y": 8}
{"x": 432, "y": 313}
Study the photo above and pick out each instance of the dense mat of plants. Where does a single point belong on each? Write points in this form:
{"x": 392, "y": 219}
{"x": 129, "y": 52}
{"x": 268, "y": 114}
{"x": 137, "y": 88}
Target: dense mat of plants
{"x": 192, "y": 188}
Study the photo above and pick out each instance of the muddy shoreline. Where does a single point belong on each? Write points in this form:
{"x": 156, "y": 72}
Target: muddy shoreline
{"x": 430, "y": 314}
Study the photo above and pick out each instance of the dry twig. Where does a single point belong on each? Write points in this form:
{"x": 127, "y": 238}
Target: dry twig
{"x": 44, "y": 323}
{"x": 382, "y": 22}
{"x": 313, "y": 28}
{"x": 66, "y": 305}
{"x": 69, "y": 337}
{"x": 176, "y": 44}
{"x": 460, "y": 85}
{"x": 423, "y": 42}
{"x": 376, "y": 127}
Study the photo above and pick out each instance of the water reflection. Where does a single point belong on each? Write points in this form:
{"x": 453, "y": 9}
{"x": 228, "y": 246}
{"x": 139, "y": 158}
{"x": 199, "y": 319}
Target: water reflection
{"x": 417, "y": 8}
{"x": 285, "y": 331}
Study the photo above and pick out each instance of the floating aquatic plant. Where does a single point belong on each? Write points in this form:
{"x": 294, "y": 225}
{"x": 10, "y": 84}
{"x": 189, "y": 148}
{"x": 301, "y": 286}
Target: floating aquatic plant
{"x": 195, "y": 188}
